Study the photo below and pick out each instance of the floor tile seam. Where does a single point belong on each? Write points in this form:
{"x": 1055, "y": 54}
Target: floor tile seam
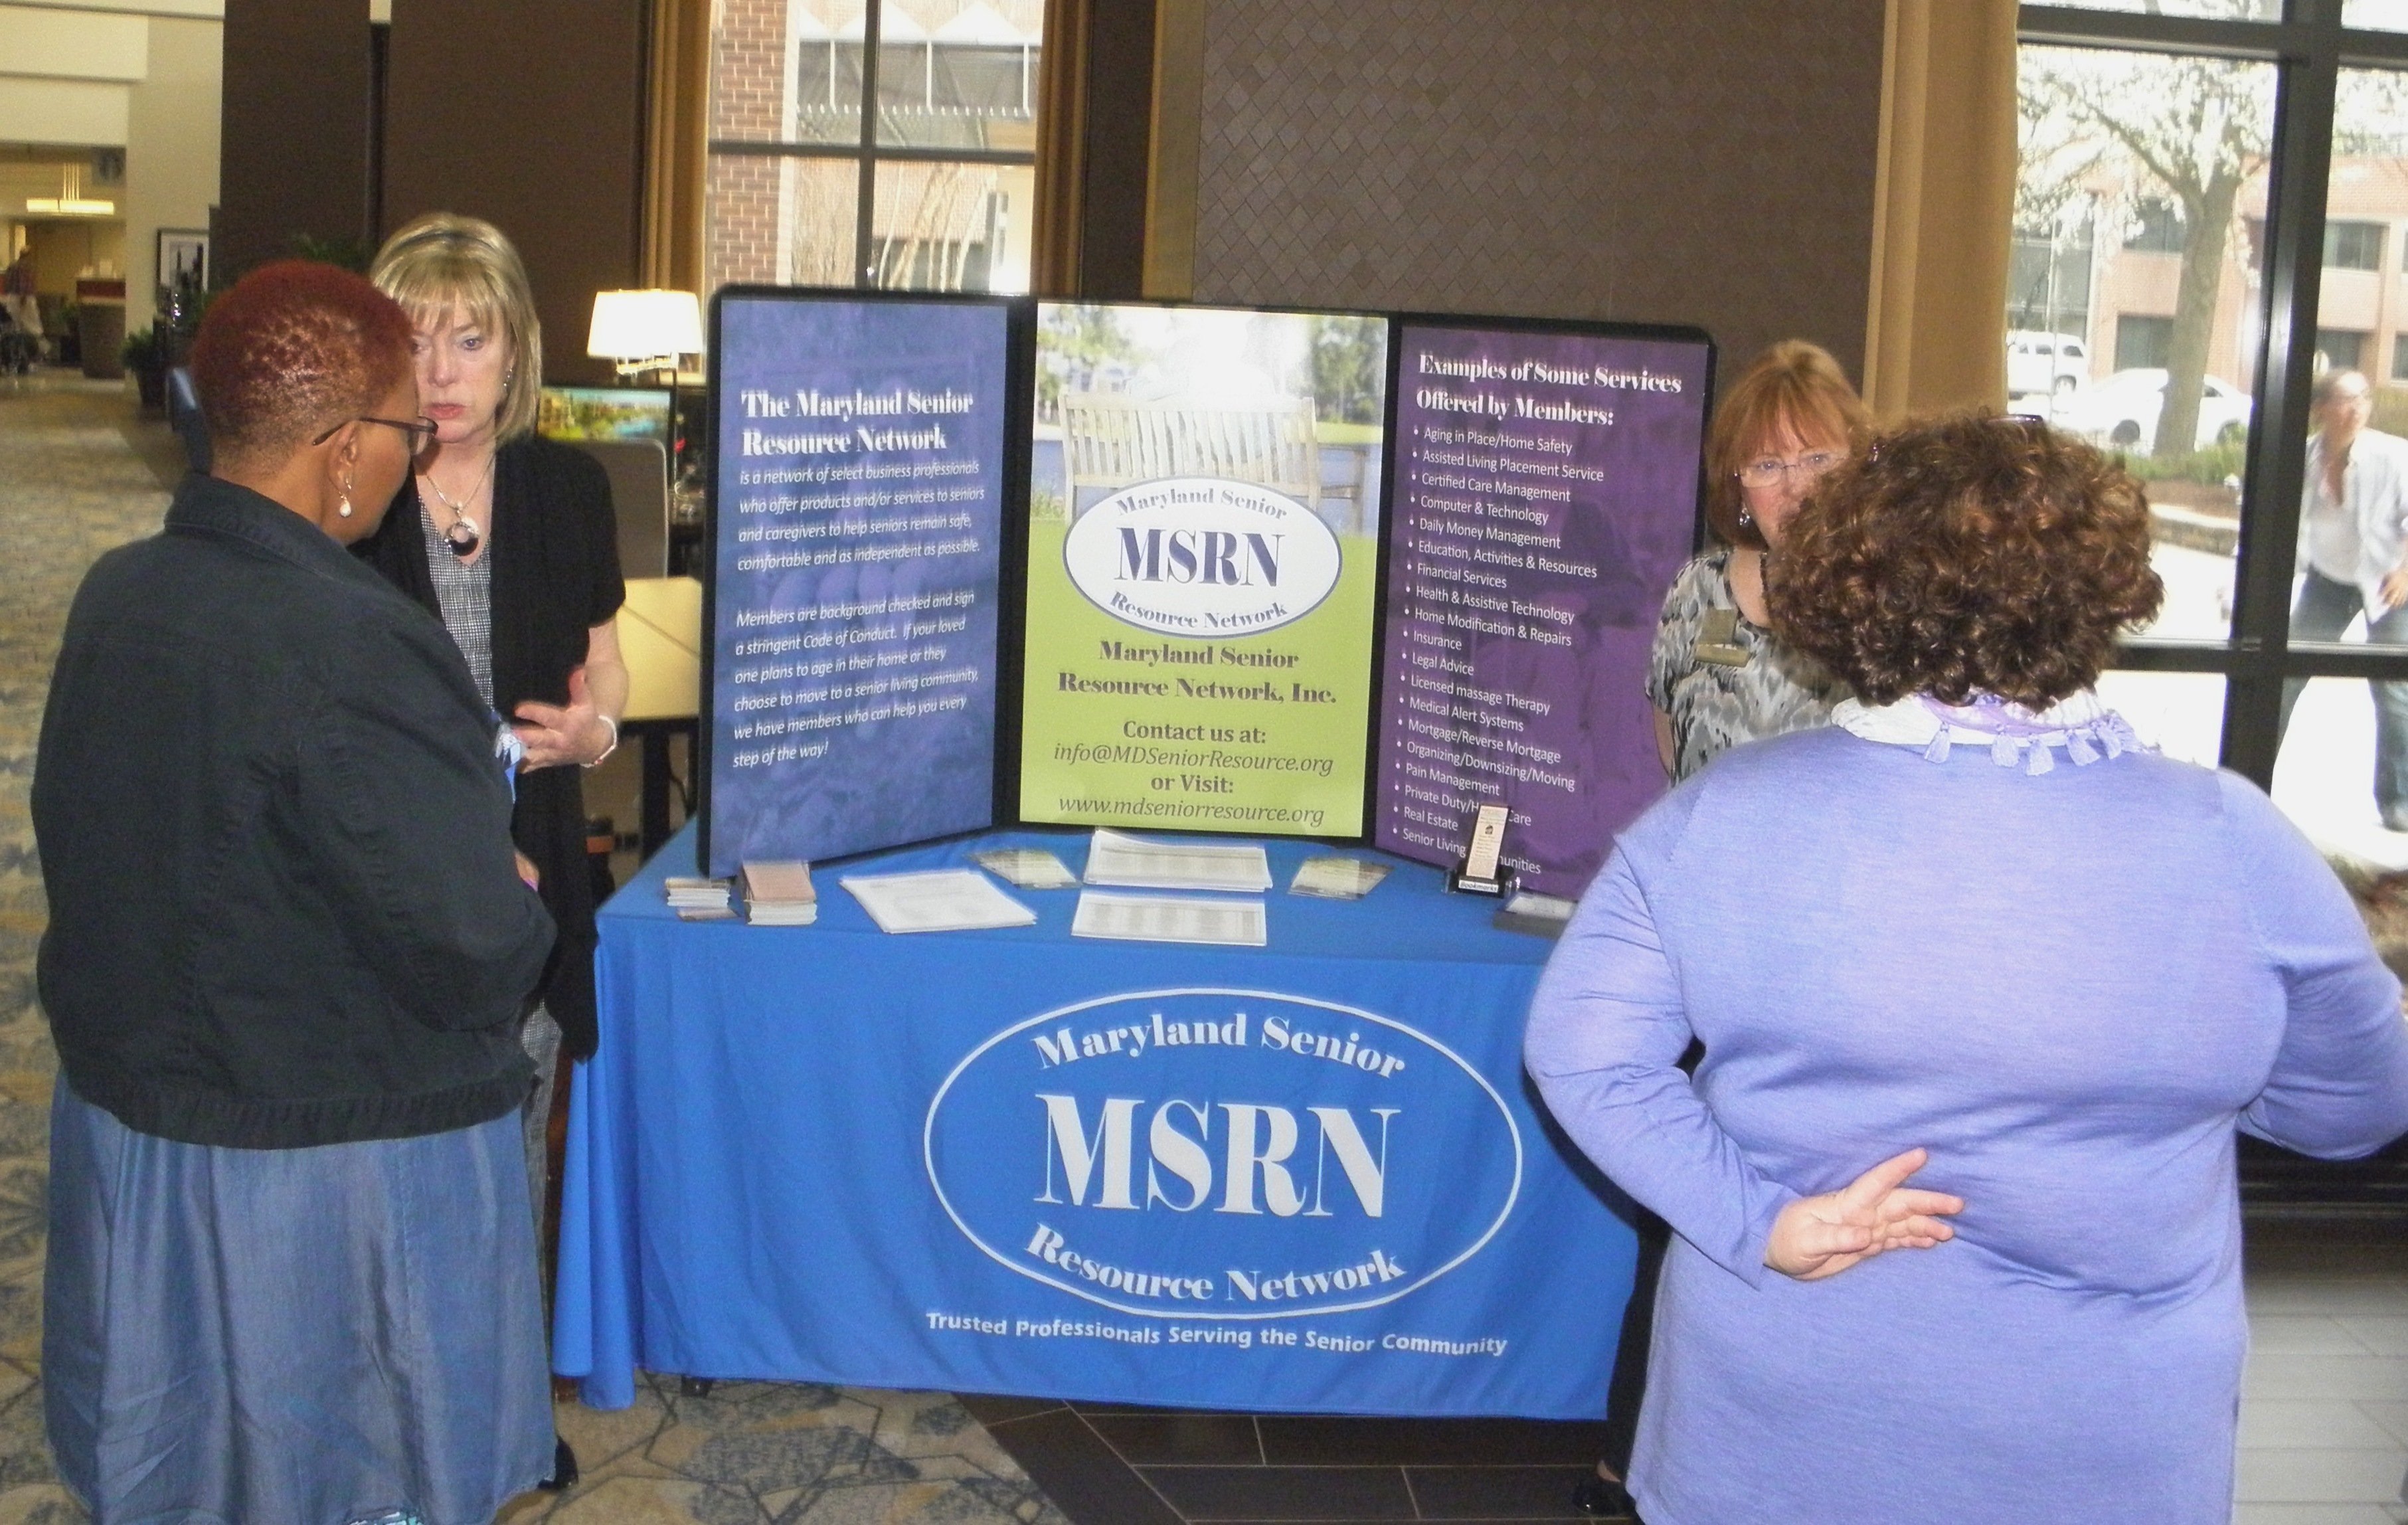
{"x": 1127, "y": 1465}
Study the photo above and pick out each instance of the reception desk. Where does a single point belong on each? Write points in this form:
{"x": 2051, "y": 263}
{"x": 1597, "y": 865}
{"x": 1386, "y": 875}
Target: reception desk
{"x": 1305, "y": 1178}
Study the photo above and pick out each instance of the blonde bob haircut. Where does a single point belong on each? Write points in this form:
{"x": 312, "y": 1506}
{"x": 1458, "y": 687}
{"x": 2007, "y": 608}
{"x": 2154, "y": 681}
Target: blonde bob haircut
{"x": 1793, "y": 388}
{"x": 444, "y": 264}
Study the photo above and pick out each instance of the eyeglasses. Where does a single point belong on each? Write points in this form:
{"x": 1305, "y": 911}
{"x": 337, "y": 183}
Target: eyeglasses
{"x": 421, "y": 430}
{"x": 1766, "y": 473}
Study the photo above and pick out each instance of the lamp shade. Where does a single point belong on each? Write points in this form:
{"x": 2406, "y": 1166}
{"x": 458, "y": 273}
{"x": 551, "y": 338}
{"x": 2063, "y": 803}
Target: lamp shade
{"x": 645, "y": 324}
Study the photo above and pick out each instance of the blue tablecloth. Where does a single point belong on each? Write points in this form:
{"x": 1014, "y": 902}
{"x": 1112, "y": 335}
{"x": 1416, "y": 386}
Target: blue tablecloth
{"x": 1307, "y": 1177}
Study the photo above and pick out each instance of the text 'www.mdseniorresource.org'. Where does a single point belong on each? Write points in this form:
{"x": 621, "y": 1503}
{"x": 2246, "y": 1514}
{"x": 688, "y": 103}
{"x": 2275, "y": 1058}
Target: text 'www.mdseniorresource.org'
{"x": 1191, "y": 809}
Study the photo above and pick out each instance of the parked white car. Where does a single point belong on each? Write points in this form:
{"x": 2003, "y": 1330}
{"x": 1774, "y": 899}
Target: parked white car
{"x": 2038, "y": 362}
{"x": 2122, "y": 412}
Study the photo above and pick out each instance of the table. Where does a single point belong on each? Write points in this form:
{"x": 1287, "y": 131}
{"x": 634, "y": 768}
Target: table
{"x": 660, "y": 638}
{"x": 1307, "y": 1177}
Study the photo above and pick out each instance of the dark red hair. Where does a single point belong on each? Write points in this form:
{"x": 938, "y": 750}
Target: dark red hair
{"x": 293, "y": 349}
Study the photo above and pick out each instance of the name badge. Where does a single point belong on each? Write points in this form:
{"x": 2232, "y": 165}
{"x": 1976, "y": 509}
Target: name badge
{"x": 1718, "y": 641}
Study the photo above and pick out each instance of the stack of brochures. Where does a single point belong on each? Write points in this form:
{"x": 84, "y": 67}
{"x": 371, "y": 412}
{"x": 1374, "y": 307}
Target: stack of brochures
{"x": 779, "y": 894}
{"x": 1115, "y": 857}
{"x": 936, "y": 900}
{"x": 699, "y": 899}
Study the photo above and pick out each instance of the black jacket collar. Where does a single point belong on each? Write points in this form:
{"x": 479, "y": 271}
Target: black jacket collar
{"x": 216, "y": 507}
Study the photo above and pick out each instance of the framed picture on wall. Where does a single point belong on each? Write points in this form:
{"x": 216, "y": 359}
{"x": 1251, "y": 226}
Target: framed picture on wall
{"x": 183, "y": 254}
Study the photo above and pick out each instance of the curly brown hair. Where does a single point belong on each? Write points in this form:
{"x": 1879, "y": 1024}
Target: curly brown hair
{"x": 1967, "y": 554}
{"x": 1793, "y": 388}
{"x": 291, "y": 349}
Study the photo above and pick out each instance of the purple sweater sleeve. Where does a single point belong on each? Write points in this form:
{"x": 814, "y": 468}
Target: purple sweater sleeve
{"x": 1606, "y": 1035}
{"x": 2340, "y": 1084}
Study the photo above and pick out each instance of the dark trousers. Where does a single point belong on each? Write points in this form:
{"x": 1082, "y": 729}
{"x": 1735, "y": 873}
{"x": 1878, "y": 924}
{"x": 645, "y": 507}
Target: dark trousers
{"x": 1628, "y": 1383}
{"x": 2324, "y": 610}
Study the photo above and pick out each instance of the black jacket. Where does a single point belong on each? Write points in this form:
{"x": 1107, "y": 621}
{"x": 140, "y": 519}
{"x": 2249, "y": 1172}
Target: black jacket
{"x": 284, "y": 909}
{"x": 555, "y": 557}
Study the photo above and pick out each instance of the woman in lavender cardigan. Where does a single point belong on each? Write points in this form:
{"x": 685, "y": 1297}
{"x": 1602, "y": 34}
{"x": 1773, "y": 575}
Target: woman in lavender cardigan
{"x": 1973, "y": 937}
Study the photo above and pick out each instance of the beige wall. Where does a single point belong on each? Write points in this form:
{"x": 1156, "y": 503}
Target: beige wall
{"x": 171, "y": 150}
{"x": 144, "y": 76}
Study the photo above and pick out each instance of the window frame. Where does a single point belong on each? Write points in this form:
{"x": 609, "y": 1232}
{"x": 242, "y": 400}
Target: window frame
{"x": 2309, "y": 48}
{"x": 867, "y": 153}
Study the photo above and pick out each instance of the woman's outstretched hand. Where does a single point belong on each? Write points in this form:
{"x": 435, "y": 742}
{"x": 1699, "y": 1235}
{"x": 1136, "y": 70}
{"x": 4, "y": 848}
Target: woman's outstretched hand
{"x": 564, "y": 733}
{"x": 1822, "y": 1236}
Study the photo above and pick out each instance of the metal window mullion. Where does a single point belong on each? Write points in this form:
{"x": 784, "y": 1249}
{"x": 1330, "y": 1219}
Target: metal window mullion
{"x": 2298, "y": 176}
{"x": 871, "y": 25}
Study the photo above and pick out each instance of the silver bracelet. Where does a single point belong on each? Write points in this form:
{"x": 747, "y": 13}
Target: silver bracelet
{"x": 614, "y": 740}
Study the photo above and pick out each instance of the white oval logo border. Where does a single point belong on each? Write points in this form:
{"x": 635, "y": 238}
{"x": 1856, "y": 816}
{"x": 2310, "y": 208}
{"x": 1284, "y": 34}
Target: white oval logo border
{"x": 1337, "y": 550}
{"x": 936, "y": 1104}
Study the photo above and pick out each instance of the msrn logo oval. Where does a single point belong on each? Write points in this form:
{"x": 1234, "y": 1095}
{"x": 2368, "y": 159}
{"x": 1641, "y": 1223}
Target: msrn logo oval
{"x": 1202, "y": 556}
{"x": 1223, "y": 1154}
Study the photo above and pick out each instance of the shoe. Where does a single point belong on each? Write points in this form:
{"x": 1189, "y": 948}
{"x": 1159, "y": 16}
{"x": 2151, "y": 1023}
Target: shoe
{"x": 564, "y": 1468}
{"x": 1602, "y": 1498}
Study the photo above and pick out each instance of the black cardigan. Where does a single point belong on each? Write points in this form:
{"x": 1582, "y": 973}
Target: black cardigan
{"x": 275, "y": 840}
{"x": 555, "y": 556}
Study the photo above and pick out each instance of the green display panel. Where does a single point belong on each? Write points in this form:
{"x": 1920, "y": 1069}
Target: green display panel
{"x": 1204, "y": 508}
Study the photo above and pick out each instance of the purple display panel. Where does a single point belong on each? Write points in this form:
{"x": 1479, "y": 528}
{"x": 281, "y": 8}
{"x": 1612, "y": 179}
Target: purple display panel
{"x": 1546, "y": 493}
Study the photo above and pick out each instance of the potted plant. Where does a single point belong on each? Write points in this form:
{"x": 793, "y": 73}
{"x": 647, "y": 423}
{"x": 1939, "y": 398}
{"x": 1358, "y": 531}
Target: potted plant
{"x": 146, "y": 358}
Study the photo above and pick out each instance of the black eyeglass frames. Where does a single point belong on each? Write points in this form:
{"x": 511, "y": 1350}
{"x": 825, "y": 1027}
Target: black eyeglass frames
{"x": 421, "y": 430}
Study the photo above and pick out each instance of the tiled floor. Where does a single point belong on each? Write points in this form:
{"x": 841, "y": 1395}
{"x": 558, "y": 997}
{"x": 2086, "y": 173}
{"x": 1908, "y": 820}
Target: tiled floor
{"x": 2323, "y": 1428}
{"x": 1108, "y": 1465}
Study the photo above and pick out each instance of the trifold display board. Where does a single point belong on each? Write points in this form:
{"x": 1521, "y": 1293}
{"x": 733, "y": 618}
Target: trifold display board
{"x": 1336, "y": 575}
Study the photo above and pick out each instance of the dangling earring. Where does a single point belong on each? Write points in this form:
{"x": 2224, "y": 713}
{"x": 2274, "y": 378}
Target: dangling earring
{"x": 345, "y": 507}
{"x": 508, "y": 376}
{"x": 1745, "y": 518}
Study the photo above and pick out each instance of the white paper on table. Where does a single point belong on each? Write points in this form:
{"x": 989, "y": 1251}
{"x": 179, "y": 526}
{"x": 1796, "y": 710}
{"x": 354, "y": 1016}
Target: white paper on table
{"x": 1336, "y": 878}
{"x": 1114, "y": 858}
{"x": 1160, "y": 918}
{"x": 1542, "y": 907}
{"x": 937, "y": 900}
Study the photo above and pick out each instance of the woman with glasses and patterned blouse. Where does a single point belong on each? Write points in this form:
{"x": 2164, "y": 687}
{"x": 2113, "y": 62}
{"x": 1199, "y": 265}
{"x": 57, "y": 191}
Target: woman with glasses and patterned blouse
{"x": 1719, "y": 678}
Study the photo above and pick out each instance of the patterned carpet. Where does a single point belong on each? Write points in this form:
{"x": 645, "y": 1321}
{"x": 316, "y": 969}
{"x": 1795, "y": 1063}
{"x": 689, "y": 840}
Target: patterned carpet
{"x": 80, "y": 472}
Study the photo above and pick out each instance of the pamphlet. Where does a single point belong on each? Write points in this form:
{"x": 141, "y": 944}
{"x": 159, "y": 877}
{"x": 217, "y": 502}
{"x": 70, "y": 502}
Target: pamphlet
{"x": 937, "y": 900}
{"x": 689, "y": 894}
{"x": 1335, "y": 878}
{"x": 778, "y": 893}
{"x": 1163, "y": 918}
{"x": 1114, "y": 858}
{"x": 1030, "y": 868}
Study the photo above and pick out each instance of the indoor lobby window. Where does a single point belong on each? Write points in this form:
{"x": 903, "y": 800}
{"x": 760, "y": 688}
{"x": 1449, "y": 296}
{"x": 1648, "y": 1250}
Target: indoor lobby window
{"x": 932, "y": 187}
{"x": 2236, "y": 168}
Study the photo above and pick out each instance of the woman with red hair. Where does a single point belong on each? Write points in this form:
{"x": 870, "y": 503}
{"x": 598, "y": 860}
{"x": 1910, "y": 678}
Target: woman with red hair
{"x": 292, "y": 1275}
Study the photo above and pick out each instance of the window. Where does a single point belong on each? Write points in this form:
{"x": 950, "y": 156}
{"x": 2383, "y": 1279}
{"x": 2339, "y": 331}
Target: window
{"x": 2338, "y": 348}
{"x": 2242, "y": 161}
{"x": 2353, "y": 245}
{"x": 2141, "y": 340}
{"x": 933, "y": 188}
{"x": 2157, "y": 229}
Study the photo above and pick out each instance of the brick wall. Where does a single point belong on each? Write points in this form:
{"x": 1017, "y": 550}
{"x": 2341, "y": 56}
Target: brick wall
{"x": 742, "y": 238}
{"x": 748, "y": 70}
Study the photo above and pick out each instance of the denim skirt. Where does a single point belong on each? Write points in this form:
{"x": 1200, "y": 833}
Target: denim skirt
{"x": 315, "y": 1336}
